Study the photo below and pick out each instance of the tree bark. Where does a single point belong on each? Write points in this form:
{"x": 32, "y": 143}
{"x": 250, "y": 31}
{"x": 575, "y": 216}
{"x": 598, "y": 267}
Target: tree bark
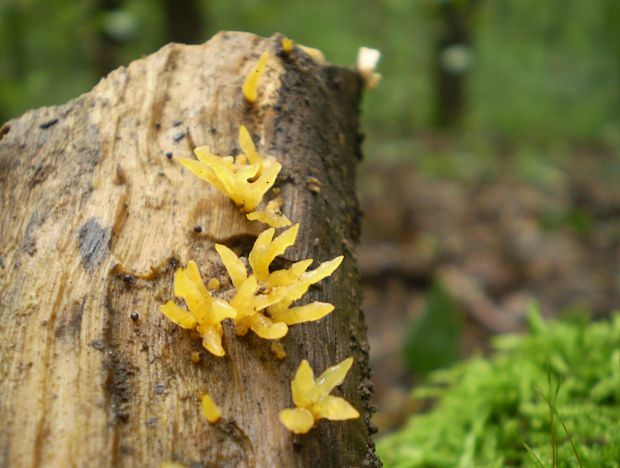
{"x": 97, "y": 214}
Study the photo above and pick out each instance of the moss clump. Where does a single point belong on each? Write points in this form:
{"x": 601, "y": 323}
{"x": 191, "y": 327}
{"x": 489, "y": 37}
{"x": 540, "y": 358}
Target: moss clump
{"x": 549, "y": 398}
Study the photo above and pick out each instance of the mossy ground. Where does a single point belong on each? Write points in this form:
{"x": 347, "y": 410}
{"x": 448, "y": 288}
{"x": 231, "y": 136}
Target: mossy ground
{"x": 548, "y": 398}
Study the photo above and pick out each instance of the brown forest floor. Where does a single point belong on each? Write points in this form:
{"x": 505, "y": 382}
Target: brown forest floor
{"x": 494, "y": 243}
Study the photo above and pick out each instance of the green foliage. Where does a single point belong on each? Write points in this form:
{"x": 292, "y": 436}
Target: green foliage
{"x": 551, "y": 72}
{"x": 432, "y": 339}
{"x": 548, "y": 75}
{"x": 549, "y": 398}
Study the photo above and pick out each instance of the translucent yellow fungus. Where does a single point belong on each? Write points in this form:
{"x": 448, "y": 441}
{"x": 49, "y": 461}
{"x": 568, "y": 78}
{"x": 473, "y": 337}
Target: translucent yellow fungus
{"x": 263, "y": 299}
{"x": 296, "y": 281}
{"x": 312, "y": 398}
{"x": 266, "y": 249}
{"x": 210, "y": 410}
{"x": 245, "y": 180}
{"x": 271, "y": 215}
{"x": 287, "y": 45}
{"x": 204, "y": 313}
{"x": 250, "y": 85}
{"x": 195, "y": 357}
{"x": 250, "y": 306}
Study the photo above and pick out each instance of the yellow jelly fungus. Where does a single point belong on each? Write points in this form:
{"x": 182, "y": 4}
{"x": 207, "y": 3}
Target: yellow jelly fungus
{"x": 195, "y": 357}
{"x": 296, "y": 282}
{"x": 271, "y": 215}
{"x": 266, "y": 249}
{"x": 277, "y": 349}
{"x": 312, "y": 398}
{"x": 287, "y": 45}
{"x": 263, "y": 299}
{"x": 249, "y": 306}
{"x": 171, "y": 464}
{"x": 245, "y": 180}
{"x": 213, "y": 284}
{"x": 210, "y": 410}
{"x": 204, "y": 313}
{"x": 250, "y": 85}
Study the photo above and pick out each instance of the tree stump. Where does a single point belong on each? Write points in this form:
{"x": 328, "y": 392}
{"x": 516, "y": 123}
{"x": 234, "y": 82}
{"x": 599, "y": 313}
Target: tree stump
{"x": 97, "y": 215}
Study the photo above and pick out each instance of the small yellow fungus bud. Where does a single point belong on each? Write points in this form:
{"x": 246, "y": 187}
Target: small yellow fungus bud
{"x": 277, "y": 349}
{"x": 250, "y": 85}
{"x": 287, "y": 45}
{"x": 213, "y": 284}
{"x": 195, "y": 356}
{"x": 210, "y": 410}
{"x": 271, "y": 215}
{"x": 244, "y": 180}
{"x": 312, "y": 398}
{"x": 313, "y": 184}
{"x": 204, "y": 312}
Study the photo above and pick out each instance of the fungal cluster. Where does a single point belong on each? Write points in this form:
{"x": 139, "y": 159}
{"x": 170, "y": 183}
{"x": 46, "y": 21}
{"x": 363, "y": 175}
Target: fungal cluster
{"x": 262, "y": 301}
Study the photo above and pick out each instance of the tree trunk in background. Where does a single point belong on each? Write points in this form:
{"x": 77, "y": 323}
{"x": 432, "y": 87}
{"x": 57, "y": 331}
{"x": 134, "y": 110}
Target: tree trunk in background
{"x": 450, "y": 81}
{"x": 107, "y": 53}
{"x": 184, "y": 20}
{"x": 95, "y": 220}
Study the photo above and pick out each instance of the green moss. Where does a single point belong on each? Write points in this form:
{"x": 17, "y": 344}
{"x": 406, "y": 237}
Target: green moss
{"x": 548, "y": 398}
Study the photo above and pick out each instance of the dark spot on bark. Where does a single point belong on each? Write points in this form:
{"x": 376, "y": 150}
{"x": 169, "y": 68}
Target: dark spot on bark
{"x": 372, "y": 428}
{"x": 178, "y": 137}
{"x": 39, "y": 175}
{"x": 94, "y": 244}
{"x": 198, "y": 228}
{"x": 48, "y": 124}
{"x": 297, "y": 442}
{"x": 118, "y": 386}
{"x": 125, "y": 450}
{"x": 169, "y": 154}
{"x": 241, "y": 244}
{"x": 4, "y": 130}
{"x": 98, "y": 344}
{"x": 152, "y": 422}
{"x": 129, "y": 279}
{"x": 73, "y": 322}
{"x": 29, "y": 242}
{"x": 160, "y": 389}
{"x": 176, "y": 123}
{"x": 134, "y": 316}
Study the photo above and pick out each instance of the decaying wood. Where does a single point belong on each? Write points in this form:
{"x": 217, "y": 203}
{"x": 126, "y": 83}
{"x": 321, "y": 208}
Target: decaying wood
{"x": 96, "y": 215}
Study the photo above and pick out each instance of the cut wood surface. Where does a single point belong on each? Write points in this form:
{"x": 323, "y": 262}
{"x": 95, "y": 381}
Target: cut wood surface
{"x": 96, "y": 216}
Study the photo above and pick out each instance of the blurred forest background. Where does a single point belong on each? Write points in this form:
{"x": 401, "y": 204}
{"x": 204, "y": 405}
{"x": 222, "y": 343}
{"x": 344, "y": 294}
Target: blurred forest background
{"x": 491, "y": 154}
